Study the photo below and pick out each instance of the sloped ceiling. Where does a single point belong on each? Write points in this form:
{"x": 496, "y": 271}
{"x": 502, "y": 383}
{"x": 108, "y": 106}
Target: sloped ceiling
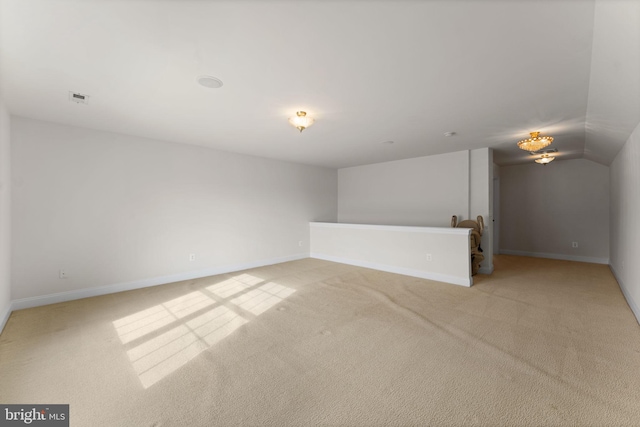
{"x": 613, "y": 109}
{"x": 368, "y": 71}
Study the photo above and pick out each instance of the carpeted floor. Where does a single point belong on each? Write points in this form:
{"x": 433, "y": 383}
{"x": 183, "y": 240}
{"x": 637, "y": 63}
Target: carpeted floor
{"x": 305, "y": 343}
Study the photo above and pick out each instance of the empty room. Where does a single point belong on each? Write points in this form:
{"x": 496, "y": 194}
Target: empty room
{"x": 319, "y": 213}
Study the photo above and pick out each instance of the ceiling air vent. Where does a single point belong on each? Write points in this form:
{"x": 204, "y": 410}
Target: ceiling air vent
{"x": 78, "y": 98}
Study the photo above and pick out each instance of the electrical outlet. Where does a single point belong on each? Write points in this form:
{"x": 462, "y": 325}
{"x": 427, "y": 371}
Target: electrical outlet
{"x": 62, "y": 274}
{"x": 429, "y": 257}
{"x": 300, "y": 243}
{"x": 192, "y": 257}
{"x": 574, "y": 244}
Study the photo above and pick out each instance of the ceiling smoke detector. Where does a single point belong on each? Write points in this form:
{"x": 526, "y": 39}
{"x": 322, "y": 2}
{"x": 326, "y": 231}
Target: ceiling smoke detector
{"x": 78, "y": 98}
{"x": 209, "y": 82}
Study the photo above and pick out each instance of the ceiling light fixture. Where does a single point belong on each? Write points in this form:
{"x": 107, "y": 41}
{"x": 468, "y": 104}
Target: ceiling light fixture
{"x": 545, "y": 159}
{"x": 301, "y": 121}
{"x": 535, "y": 143}
{"x": 544, "y": 151}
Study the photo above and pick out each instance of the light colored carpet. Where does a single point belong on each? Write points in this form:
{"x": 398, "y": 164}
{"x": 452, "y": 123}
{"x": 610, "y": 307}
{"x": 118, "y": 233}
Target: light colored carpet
{"x": 539, "y": 342}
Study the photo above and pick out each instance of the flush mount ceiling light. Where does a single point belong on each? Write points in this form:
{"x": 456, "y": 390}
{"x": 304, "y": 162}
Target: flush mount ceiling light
{"x": 535, "y": 143}
{"x": 544, "y": 151}
{"x": 545, "y": 159}
{"x": 301, "y": 121}
{"x": 210, "y": 82}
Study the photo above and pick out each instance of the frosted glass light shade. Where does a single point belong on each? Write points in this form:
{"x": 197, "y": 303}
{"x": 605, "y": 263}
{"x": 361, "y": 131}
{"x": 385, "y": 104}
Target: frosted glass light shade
{"x": 301, "y": 121}
{"x": 545, "y": 159}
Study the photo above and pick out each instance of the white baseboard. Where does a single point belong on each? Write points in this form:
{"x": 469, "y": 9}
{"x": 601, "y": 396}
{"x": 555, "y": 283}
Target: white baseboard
{"x": 578, "y": 258}
{"x": 398, "y": 270}
{"x": 627, "y": 295}
{"x": 22, "y": 303}
{"x": 4, "y": 316}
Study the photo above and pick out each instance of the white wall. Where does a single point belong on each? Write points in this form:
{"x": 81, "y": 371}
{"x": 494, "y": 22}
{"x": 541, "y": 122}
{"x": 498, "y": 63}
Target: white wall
{"x": 424, "y": 191}
{"x": 495, "y": 203}
{"x": 5, "y": 216}
{"x": 481, "y": 200}
{"x": 113, "y": 209}
{"x": 543, "y": 209}
{"x": 625, "y": 215}
{"x": 434, "y": 253}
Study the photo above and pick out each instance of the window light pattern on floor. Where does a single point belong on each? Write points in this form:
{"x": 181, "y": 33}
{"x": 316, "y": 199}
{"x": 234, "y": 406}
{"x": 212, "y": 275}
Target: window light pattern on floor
{"x": 147, "y": 321}
{"x": 165, "y": 337}
{"x": 259, "y": 300}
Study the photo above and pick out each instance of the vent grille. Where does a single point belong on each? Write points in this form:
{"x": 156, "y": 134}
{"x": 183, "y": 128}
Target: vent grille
{"x": 78, "y": 98}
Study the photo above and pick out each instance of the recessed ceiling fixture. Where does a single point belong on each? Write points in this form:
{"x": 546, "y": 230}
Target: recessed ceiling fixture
{"x": 449, "y": 133}
{"x": 387, "y": 142}
{"x": 210, "y": 82}
{"x": 535, "y": 143}
{"x": 301, "y": 121}
{"x": 545, "y": 159}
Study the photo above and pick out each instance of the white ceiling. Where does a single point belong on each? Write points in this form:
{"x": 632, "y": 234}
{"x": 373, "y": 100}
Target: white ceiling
{"x": 368, "y": 71}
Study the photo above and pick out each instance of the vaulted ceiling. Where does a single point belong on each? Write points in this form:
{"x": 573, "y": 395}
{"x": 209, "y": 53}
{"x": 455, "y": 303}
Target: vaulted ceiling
{"x": 368, "y": 71}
